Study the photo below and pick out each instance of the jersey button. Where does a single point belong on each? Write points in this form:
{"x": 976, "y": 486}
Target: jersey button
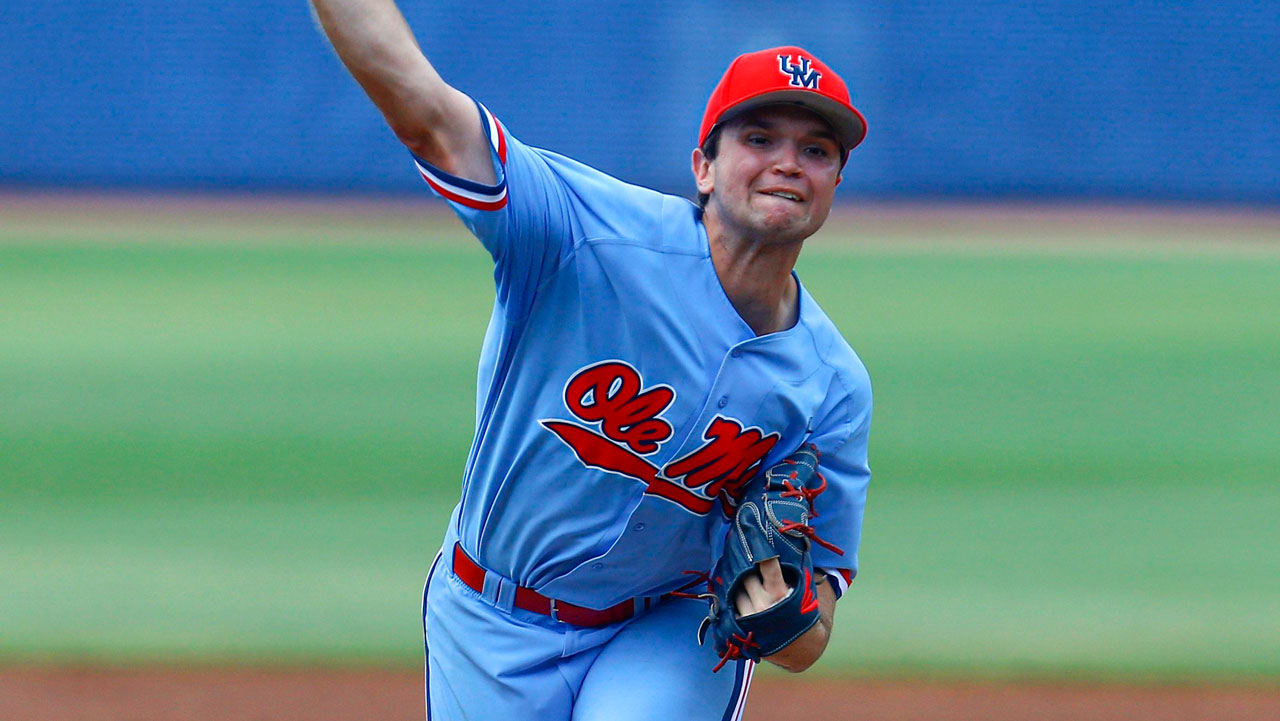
{"x": 724, "y": 401}
{"x": 737, "y": 353}
{"x": 597, "y": 566}
{"x": 638, "y": 527}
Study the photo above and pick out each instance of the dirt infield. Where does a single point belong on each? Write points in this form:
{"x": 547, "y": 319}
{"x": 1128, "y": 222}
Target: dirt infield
{"x": 87, "y": 694}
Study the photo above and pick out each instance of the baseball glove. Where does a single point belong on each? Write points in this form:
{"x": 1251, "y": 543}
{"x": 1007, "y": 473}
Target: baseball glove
{"x": 772, "y": 521}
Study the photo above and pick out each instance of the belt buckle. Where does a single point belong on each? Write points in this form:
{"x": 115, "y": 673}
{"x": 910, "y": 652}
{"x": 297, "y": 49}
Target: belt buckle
{"x": 555, "y": 615}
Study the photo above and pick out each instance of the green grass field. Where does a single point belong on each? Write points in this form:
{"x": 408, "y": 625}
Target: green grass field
{"x": 240, "y": 442}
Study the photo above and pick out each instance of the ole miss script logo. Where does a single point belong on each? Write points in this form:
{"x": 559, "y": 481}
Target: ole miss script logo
{"x": 622, "y": 425}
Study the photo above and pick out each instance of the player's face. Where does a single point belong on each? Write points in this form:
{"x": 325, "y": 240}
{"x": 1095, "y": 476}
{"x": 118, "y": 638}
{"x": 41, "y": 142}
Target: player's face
{"x": 774, "y": 175}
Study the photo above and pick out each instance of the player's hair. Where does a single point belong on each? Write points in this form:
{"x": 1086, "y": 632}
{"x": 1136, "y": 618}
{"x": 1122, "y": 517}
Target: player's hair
{"x": 710, "y": 147}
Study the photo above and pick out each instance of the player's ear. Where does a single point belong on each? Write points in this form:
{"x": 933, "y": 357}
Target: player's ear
{"x": 702, "y": 172}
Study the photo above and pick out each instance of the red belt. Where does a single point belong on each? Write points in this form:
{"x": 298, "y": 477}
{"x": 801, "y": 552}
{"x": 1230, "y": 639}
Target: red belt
{"x": 472, "y": 574}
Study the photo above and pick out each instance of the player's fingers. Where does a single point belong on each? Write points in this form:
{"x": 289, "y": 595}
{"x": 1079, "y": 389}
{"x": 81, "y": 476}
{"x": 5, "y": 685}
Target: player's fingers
{"x": 759, "y": 598}
{"x": 774, "y": 584}
{"x": 742, "y": 602}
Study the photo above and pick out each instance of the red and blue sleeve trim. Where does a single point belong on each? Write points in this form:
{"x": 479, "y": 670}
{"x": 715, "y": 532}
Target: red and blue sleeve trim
{"x": 839, "y": 578}
{"x": 468, "y": 192}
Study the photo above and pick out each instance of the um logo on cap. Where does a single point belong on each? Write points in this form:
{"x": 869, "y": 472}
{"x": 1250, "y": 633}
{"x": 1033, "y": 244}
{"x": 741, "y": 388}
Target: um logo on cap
{"x": 801, "y": 75}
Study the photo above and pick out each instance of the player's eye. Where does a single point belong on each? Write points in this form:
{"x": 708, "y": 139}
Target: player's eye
{"x": 757, "y": 139}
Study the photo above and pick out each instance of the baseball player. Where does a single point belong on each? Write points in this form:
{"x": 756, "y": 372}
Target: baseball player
{"x": 642, "y": 514}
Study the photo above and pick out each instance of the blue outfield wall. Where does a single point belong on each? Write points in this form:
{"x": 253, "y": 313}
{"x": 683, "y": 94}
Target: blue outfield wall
{"x": 1061, "y": 98}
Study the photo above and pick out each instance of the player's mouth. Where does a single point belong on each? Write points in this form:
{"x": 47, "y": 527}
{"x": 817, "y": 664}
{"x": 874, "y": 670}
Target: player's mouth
{"x": 784, "y": 194}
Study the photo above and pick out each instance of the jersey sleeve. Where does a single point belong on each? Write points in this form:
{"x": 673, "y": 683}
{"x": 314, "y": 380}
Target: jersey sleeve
{"x": 839, "y": 578}
{"x": 525, "y": 220}
{"x": 843, "y": 463}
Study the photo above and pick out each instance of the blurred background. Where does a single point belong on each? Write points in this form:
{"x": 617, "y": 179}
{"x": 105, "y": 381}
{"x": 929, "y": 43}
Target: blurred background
{"x": 238, "y": 337}
{"x": 1139, "y": 100}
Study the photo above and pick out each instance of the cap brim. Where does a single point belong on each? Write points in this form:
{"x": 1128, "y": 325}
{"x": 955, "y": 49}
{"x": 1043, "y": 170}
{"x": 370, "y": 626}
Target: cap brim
{"x": 848, "y": 123}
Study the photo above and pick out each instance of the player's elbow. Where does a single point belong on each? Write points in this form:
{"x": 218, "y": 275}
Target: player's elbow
{"x": 805, "y": 659}
{"x": 804, "y": 651}
{"x": 794, "y": 663}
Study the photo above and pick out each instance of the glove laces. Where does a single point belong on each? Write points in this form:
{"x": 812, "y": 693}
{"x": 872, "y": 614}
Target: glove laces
{"x": 811, "y": 534}
{"x": 699, "y": 578}
{"x": 806, "y": 494}
{"x": 734, "y": 649}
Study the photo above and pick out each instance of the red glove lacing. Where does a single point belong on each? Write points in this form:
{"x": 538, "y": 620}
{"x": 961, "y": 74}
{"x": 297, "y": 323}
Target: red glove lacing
{"x": 699, "y": 578}
{"x": 811, "y": 534}
{"x": 808, "y": 495}
{"x": 734, "y": 648}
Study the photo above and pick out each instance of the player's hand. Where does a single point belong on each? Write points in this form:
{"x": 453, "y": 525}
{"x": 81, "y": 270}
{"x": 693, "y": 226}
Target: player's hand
{"x": 762, "y": 589}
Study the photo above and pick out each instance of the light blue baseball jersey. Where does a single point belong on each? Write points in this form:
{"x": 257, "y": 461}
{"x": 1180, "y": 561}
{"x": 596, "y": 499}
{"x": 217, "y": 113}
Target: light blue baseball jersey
{"x": 621, "y": 400}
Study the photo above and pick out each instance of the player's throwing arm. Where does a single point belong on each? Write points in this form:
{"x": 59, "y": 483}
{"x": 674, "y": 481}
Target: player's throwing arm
{"x": 435, "y": 121}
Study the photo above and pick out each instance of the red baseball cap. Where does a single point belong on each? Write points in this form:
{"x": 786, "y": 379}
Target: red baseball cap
{"x": 787, "y": 75}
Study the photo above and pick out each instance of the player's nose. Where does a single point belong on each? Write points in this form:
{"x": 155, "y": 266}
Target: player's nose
{"x": 787, "y": 159}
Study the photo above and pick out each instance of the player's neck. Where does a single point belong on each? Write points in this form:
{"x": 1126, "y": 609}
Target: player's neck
{"x": 756, "y": 277}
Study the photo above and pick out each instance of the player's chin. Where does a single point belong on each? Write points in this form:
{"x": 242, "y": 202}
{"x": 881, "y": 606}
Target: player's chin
{"x": 787, "y": 227}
